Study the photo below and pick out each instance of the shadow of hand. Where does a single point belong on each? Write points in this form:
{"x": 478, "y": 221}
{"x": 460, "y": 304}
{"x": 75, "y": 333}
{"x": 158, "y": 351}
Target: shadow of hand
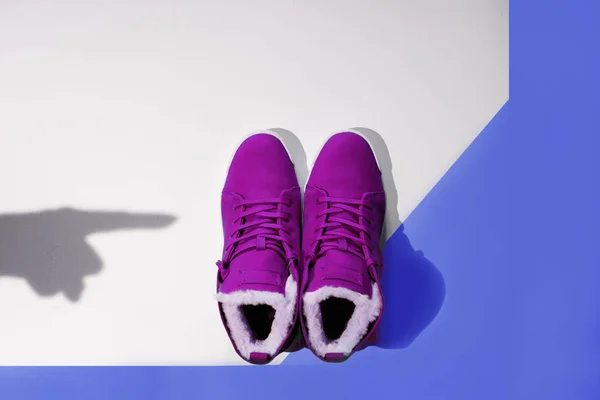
{"x": 49, "y": 249}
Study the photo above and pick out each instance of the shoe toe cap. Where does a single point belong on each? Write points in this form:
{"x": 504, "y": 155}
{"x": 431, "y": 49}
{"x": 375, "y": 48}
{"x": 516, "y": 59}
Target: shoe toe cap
{"x": 260, "y": 167}
{"x": 346, "y": 162}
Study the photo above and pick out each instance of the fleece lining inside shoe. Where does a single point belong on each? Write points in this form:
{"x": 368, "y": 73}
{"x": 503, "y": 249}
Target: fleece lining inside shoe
{"x": 337, "y": 319}
{"x": 259, "y": 321}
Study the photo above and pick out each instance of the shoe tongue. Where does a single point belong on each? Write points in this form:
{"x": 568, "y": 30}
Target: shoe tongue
{"x": 260, "y": 270}
{"x": 259, "y": 267}
{"x": 337, "y": 268}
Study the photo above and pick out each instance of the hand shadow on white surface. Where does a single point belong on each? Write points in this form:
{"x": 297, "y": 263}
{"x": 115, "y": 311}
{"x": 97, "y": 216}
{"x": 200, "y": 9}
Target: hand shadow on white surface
{"x": 49, "y": 248}
{"x": 413, "y": 287}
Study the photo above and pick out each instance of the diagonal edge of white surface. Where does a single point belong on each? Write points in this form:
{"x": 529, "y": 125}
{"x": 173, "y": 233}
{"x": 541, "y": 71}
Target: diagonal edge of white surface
{"x": 138, "y": 108}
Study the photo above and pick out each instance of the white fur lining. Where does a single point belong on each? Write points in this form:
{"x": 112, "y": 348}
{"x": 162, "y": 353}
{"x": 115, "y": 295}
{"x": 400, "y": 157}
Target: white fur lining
{"x": 365, "y": 312}
{"x": 284, "y": 306}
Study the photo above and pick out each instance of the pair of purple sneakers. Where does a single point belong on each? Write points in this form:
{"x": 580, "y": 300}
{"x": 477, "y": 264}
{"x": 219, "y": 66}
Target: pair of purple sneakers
{"x": 284, "y": 268}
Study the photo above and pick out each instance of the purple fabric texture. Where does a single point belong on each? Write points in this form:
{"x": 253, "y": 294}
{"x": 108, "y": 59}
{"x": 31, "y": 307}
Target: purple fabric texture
{"x": 332, "y": 280}
{"x": 261, "y": 213}
{"x": 344, "y": 209}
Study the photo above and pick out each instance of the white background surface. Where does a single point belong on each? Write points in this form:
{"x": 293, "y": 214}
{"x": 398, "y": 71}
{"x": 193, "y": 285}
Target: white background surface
{"x": 138, "y": 106}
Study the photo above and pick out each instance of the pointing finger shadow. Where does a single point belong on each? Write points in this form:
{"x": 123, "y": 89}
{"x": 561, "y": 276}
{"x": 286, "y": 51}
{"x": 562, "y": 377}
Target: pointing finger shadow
{"x": 49, "y": 249}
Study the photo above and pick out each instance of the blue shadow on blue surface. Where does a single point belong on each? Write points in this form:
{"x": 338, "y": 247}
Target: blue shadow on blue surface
{"x": 414, "y": 292}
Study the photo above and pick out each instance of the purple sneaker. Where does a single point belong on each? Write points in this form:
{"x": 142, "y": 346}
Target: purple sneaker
{"x": 344, "y": 207}
{"x": 257, "y": 279}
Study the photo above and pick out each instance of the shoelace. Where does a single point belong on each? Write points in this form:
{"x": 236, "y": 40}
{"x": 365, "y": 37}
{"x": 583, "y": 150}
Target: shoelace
{"x": 261, "y": 227}
{"x": 346, "y": 228}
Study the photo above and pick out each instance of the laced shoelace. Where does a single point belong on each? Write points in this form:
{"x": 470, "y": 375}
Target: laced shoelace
{"x": 346, "y": 228}
{"x": 261, "y": 227}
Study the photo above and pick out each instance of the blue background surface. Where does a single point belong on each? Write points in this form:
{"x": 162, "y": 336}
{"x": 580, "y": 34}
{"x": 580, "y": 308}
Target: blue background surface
{"x": 493, "y": 283}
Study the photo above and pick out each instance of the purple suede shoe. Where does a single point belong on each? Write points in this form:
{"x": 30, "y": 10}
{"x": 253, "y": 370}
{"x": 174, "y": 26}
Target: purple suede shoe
{"x": 257, "y": 282}
{"x": 344, "y": 208}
